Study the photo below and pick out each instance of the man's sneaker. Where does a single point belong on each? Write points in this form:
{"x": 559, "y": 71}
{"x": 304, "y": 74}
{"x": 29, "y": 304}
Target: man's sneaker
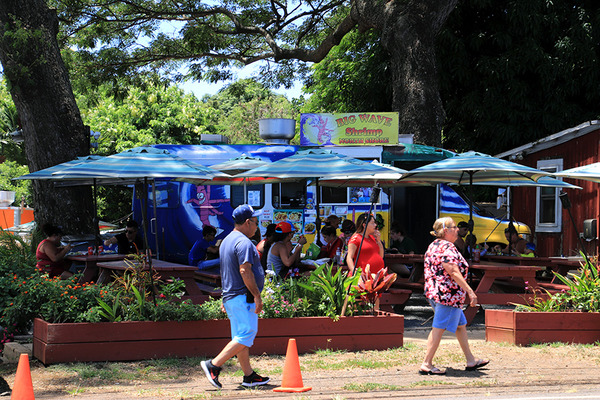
{"x": 212, "y": 373}
{"x": 255, "y": 379}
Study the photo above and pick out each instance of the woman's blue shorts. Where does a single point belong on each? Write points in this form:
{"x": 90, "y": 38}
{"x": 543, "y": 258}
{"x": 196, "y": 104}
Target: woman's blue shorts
{"x": 447, "y": 317}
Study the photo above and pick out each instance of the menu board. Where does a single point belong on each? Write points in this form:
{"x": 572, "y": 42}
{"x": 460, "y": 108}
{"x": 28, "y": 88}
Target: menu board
{"x": 295, "y": 217}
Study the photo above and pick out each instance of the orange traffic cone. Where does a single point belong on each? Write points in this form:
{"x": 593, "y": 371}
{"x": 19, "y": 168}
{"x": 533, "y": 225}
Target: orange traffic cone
{"x": 23, "y": 387}
{"x": 292, "y": 377}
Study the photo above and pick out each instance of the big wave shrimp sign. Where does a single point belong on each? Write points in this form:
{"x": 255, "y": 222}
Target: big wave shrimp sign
{"x": 341, "y": 129}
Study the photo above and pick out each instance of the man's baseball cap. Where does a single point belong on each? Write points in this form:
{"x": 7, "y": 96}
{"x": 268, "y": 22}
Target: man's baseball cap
{"x": 244, "y": 212}
{"x": 462, "y": 224}
{"x": 284, "y": 227}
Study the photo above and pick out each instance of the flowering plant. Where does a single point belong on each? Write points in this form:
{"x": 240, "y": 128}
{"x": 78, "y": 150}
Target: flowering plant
{"x": 583, "y": 293}
{"x": 281, "y": 298}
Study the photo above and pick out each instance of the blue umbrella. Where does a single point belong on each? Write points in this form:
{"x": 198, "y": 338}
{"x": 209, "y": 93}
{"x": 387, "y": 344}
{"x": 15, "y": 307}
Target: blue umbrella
{"x": 239, "y": 164}
{"x": 313, "y": 164}
{"x": 46, "y": 173}
{"x": 590, "y": 172}
{"x": 136, "y": 165}
{"x": 472, "y": 168}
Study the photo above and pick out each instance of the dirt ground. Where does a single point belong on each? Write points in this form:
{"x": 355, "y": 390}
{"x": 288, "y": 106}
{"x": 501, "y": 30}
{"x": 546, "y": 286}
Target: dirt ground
{"x": 337, "y": 375}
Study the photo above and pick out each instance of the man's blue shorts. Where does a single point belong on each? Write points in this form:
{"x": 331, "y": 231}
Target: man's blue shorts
{"x": 243, "y": 320}
{"x": 447, "y": 317}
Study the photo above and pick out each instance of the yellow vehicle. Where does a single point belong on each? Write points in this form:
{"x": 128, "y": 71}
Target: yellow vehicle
{"x": 486, "y": 227}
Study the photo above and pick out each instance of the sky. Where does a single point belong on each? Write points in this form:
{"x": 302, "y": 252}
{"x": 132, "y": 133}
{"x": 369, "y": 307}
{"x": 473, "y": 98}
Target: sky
{"x": 200, "y": 88}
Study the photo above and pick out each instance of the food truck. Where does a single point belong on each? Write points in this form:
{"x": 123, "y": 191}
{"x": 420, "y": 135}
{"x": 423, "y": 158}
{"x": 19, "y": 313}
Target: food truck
{"x": 182, "y": 209}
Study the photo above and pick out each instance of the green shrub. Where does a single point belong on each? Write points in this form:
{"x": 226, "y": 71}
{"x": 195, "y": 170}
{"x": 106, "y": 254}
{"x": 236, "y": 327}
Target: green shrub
{"x": 17, "y": 264}
{"x": 583, "y": 293}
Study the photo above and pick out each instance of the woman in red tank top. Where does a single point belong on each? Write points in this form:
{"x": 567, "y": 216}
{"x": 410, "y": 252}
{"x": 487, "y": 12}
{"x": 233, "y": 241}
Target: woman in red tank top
{"x": 372, "y": 249}
{"x": 51, "y": 255}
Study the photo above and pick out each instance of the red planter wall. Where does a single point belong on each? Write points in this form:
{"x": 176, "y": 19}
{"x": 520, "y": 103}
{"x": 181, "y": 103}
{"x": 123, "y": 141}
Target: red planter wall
{"x": 525, "y": 328}
{"x": 122, "y": 341}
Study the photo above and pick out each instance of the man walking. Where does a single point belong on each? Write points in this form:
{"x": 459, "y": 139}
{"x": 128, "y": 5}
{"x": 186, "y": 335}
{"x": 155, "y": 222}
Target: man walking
{"x": 242, "y": 280}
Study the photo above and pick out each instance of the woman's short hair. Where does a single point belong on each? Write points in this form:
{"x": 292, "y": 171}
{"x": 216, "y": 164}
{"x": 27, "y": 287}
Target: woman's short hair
{"x": 439, "y": 225}
{"x": 51, "y": 230}
{"x": 328, "y": 230}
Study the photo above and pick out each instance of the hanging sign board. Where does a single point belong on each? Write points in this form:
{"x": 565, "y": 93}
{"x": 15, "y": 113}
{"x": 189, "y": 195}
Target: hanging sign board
{"x": 349, "y": 129}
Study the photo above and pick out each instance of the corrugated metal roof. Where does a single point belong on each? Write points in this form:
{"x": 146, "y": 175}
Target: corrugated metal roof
{"x": 552, "y": 140}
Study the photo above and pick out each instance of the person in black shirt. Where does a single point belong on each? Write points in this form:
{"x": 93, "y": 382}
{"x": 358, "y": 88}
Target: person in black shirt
{"x": 127, "y": 242}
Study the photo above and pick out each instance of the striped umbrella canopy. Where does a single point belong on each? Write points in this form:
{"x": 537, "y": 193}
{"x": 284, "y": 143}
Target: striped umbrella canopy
{"x": 313, "y": 164}
{"x": 46, "y": 173}
{"x": 472, "y": 168}
{"x": 239, "y": 164}
{"x": 590, "y": 172}
{"x": 544, "y": 181}
{"x": 388, "y": 178}
{"x": 135, "y": 165}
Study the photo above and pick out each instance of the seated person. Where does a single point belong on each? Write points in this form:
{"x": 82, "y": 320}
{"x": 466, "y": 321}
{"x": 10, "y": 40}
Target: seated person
{"x": 264, "y": 245}
{"x": 463, "y": 230}
{"x": 205, "y": 252}
{"x": 471, "y": 243}
{"x": 399, "y": 242}
{"x": 529, "y": 250}
{"x": 334, "y": 221}
{"x": 279, "y": 258}
{"x": 516, "y": 244}
{"x": 51, "y": 255}
{"x": 128, "y": 242}
{"x": 348, "y": 228}
{"x": 333, "y": 243}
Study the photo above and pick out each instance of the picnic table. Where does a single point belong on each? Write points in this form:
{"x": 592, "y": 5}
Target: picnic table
{"x": 417, "y": 261}
{"x": 164, "y": 269}
{"x": 491, "y": 273}
{"x": 211, "y": 276}
{"x": 91, "y": 261}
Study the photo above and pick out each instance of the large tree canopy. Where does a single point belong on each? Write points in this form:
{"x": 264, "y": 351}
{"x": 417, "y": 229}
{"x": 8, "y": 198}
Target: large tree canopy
{"x": 510, "y": 72}
{"x": 211, "y": 37}
{"x": 41, "y": 90}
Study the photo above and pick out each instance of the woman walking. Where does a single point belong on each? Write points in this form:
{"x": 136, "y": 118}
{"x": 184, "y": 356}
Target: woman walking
{"x": 446, "y": 289}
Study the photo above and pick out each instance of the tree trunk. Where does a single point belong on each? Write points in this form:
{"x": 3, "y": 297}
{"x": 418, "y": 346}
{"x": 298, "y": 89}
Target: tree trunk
{"x": 53, "y": 130}
{"x": 409, "y": 30}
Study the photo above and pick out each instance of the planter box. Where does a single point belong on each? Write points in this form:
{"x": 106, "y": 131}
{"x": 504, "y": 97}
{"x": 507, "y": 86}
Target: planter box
{"x": 123, "y": 341}
{"x": 525, "y": 328}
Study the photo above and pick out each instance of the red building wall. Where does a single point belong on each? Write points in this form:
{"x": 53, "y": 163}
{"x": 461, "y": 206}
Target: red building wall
{"x": 585, "y": 203}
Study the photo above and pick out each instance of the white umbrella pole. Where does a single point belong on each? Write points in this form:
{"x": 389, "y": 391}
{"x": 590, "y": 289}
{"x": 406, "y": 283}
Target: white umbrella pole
{"x": 318, "y": 221}
{"x": 155, "y": 218}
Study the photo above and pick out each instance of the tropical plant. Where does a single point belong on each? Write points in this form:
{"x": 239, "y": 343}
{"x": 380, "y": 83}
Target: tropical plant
{"x": 370, "y": 286}
{"x": 333, "y": 286}
{"x": 583, "y": 293}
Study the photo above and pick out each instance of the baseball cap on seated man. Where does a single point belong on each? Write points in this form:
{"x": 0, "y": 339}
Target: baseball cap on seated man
{"x": 462, "y": 224}
{"x": 284, "y": 227}
{"x": 244, "y": 212}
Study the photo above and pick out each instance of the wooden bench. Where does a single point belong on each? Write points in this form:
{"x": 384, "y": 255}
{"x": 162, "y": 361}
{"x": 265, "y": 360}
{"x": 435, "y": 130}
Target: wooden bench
{"x": 209, "y": 290}
{"x": 416, "y": 287}
{"x": 553, "y": 287}
{"x": 394, "y": 299}
{"x": 210, "y": 276}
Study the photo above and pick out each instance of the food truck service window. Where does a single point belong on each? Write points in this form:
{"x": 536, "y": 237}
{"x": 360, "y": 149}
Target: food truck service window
{"x": 255, "y": 196}
{"x": 289, "y": 195}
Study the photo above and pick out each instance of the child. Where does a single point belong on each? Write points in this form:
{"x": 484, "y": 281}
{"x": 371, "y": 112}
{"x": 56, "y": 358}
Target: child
{"x": 529, "y": 250}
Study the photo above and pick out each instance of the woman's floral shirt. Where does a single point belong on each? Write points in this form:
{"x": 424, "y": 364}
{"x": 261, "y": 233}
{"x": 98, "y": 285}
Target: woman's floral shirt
{"x": 439, "y": 286}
